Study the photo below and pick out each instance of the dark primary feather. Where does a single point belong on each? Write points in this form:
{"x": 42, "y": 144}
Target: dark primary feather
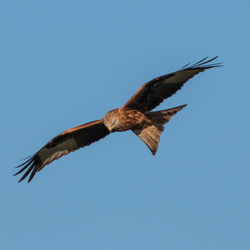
{"x": 152, "y": 93}
{"x": 68, "y": 141}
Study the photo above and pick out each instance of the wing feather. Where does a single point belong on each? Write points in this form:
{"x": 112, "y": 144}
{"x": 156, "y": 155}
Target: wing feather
{"x": 152, "y": 93}
{"x": 63, "y": 144}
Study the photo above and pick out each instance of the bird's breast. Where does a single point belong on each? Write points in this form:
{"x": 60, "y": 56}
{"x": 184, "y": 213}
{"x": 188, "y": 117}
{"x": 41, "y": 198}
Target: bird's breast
{"x": 131, "y": 119}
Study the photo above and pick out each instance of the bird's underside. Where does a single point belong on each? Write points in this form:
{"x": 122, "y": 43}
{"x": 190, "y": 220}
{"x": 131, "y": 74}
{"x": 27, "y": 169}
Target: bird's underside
{"x": 135, "y": 115}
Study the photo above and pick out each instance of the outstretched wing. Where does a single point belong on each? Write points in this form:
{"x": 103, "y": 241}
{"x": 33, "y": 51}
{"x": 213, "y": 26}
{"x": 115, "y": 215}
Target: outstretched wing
{"x": 152, "y": 93}
{"x": 68, "y": 141}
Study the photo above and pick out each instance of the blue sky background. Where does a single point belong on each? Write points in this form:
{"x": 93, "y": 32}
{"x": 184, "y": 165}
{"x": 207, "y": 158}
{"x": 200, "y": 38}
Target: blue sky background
{"x": 64, "y": 63}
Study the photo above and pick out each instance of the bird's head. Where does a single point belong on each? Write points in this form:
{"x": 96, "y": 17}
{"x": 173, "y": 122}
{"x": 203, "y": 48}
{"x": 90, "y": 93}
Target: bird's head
{"x": 111, "y": 120}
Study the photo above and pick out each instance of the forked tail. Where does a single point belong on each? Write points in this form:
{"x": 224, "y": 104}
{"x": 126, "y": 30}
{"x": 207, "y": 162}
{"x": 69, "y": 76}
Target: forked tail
{"x": 150, "y": 134}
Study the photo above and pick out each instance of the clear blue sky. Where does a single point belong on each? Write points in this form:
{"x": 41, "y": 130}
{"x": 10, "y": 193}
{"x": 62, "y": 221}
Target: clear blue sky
{"x": 64, "y": 63}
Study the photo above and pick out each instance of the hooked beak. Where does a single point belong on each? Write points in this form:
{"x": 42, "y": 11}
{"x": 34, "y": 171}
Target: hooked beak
{"x": 111, "y": 129}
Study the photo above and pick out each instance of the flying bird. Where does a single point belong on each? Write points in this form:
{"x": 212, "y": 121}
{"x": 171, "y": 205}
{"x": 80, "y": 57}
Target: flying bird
{"x": 135, "y": 115}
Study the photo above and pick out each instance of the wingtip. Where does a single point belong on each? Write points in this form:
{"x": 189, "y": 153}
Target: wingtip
{"x": 29, "y": 166}
{"x": 32, "y": 174}
{"x": 213, "y": 65}
{"x": 204, "y": 64}
{"x": 20, "y": 180}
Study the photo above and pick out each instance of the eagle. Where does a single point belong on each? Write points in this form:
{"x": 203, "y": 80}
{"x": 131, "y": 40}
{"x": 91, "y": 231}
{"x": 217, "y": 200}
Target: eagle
{"x": 135, "y": 115}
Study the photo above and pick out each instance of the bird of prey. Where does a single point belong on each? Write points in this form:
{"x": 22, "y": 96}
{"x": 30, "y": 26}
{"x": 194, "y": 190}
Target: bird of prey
{"x": 135, "y": 115}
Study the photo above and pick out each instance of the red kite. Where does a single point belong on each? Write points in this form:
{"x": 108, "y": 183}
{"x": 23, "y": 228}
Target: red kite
{"x": 135, "y": 115}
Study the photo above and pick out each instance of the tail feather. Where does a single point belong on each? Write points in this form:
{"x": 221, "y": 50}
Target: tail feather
{"x": 150, "y": 134}
{"x": 163, "y": 116}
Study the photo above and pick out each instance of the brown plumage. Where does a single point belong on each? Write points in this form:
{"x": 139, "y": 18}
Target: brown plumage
{"x": 134, "y": 116}
{"x": 150, "y": 133}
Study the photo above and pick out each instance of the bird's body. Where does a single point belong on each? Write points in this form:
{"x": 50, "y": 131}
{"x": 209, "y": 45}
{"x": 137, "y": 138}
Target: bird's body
{"x": 124, "y": 119}
{"x": 135, "y": 115}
